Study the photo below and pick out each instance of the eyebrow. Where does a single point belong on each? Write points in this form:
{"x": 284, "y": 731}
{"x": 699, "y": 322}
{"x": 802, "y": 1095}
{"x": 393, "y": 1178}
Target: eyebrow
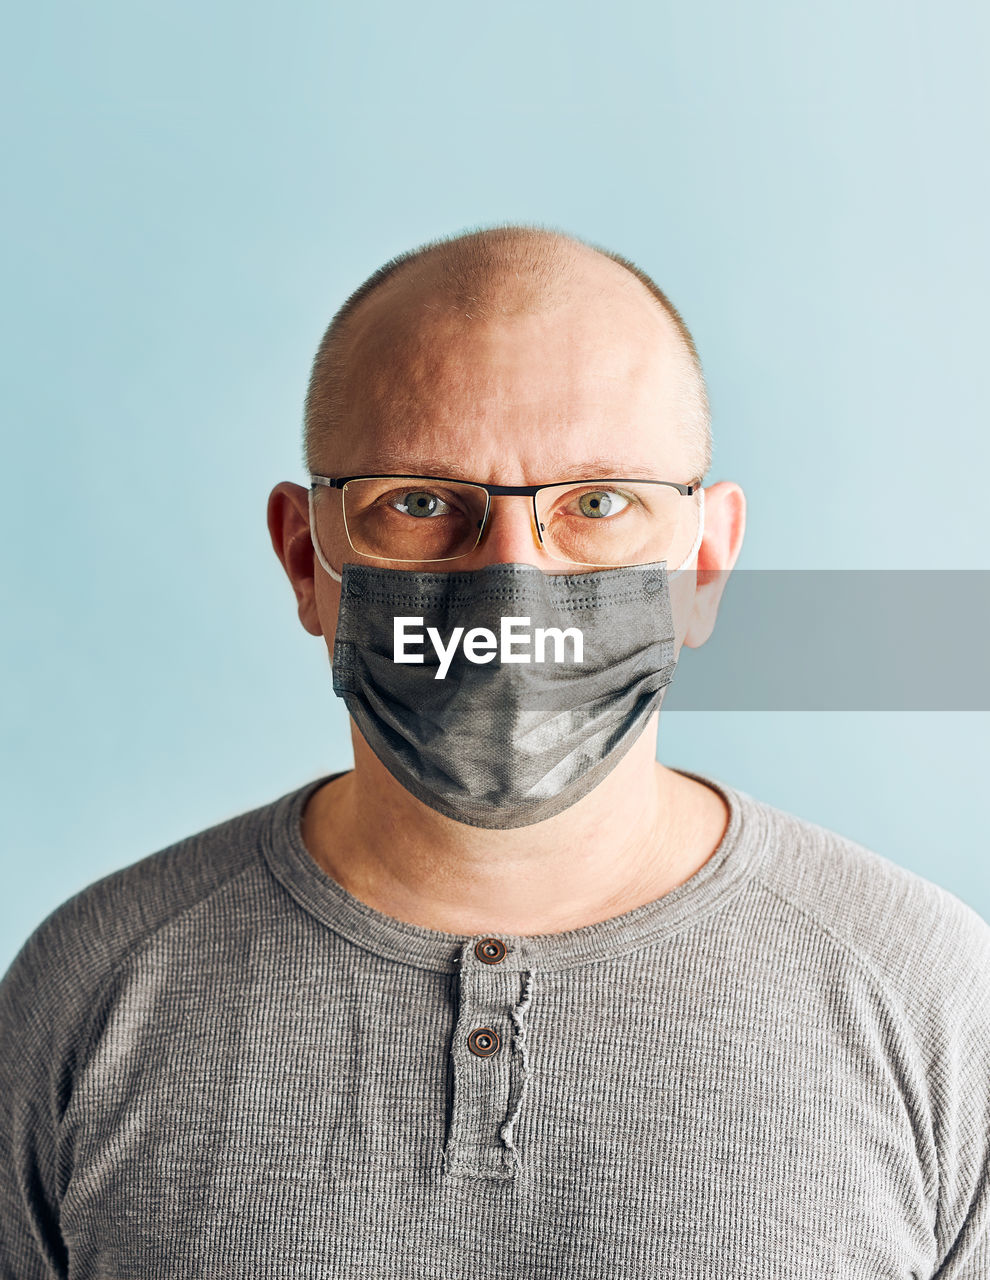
{"x": 596, "y": 468}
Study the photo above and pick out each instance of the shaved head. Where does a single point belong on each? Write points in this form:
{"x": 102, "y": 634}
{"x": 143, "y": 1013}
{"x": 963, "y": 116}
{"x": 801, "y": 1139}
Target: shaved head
{"x": 485, "y": 277}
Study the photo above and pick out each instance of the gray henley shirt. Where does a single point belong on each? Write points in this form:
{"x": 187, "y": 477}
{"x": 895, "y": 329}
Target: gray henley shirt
{"x": 217, "y": 1062}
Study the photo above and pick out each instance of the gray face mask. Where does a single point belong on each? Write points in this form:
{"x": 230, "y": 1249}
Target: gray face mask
{"x": 474, "y": 711}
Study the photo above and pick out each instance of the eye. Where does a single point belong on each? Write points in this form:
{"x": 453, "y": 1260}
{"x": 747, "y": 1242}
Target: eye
{"x": 601, "y": 502}
{"x": 420, "y": 502}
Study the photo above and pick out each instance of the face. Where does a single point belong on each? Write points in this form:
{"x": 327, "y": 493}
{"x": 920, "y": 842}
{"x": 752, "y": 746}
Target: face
{"x": 586, "y": 389}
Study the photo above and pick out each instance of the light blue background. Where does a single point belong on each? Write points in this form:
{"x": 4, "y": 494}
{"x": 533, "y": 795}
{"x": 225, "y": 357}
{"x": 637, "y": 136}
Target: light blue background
{"x": 193, "y": 189}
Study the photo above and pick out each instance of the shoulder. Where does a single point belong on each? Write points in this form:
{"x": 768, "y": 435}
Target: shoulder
{"x": 918, "y": 958}
{"x": 921, "y": 942}
{"x": 55, "y": 978}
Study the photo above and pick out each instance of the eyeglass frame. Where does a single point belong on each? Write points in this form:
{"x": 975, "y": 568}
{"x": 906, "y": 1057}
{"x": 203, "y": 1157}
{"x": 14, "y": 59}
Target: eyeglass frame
{"x": 493, "y": 490}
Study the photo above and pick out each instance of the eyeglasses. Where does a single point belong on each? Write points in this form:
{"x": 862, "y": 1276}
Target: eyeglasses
{"x": 598, "y": 523}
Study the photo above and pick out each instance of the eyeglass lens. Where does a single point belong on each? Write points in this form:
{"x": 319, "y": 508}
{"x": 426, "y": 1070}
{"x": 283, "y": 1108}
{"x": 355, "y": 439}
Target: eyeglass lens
{"x": 600, "y": 523}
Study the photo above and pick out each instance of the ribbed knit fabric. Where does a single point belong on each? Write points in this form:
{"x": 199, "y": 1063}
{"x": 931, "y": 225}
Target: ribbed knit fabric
{"x": 219, "y": 1063}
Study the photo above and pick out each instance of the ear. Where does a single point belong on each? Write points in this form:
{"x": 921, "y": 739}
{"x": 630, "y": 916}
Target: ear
{"x": 725, "y": 524}
{"x": 288, "y": 525}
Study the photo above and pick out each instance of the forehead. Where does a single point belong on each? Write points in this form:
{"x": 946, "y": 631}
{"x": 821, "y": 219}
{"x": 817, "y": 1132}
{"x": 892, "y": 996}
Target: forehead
{"x": 596, "y": 372}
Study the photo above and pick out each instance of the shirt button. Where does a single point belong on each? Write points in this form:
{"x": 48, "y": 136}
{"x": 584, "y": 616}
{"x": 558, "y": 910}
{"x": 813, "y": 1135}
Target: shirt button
{"x": 483, "y": 1041}
{"x": 490, "y": 950}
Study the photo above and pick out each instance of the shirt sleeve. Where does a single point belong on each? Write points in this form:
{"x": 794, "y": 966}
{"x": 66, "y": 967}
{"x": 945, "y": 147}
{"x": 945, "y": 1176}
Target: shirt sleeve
{"x": 31, "y": 1246}
{"x": 968, "y": 1263}
{"x": 960, "y": 1085}
{"x": 968, "y": 1256}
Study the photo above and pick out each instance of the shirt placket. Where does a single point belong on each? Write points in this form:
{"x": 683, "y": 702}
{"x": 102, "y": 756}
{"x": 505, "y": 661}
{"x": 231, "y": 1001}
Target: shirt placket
{"x": 490, "y": 1060}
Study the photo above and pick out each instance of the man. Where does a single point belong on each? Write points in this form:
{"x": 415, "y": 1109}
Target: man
{"x": 509, "y": 998}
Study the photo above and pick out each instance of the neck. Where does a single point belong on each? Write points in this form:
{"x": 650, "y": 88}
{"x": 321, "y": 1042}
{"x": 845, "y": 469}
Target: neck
{"x": 629, "y": 841}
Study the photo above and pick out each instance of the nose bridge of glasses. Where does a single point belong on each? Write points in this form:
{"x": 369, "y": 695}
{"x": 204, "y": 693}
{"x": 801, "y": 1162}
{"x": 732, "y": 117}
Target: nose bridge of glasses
{"x": 506, "y": 514}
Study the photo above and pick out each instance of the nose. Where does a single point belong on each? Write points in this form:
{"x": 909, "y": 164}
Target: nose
{"x": 510, "y": 536}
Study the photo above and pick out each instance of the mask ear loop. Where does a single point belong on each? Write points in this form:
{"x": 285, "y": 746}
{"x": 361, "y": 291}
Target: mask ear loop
{"x": 697, "y": 542}
{"x": 316, "y": 541}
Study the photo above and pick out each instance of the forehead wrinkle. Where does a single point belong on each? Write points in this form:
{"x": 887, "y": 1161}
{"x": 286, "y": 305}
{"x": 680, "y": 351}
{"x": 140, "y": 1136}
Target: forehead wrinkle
{"x": 412, "y": 429}
{"x": 429, "y": 374}
{"x": 424, "y": 374}
{"x": 398, "y": 369}
{"x": 600, "y": 467}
